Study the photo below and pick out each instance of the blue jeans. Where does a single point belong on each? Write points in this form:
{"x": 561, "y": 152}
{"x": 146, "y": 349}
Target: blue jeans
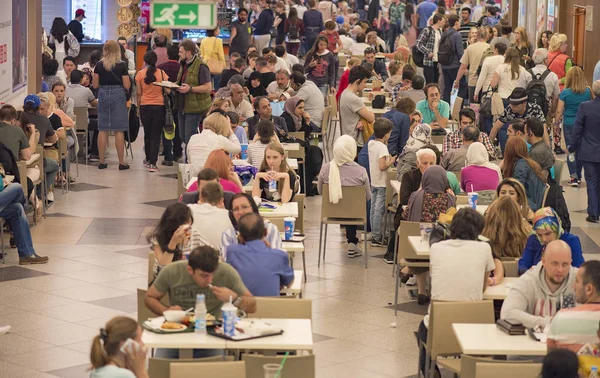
{"x": 11, "y": 203}
{"x": 198, "y": 353}
{"x": 188, "y": 125}
{"x": 50, "y": 169}
{"x": 394, "y": 32}
{"x": 449, "y": 77}
{"x": 503, "y": 136}
{"x": 574, "y": 166}
{"x": 377, "y": 209}
{"x": 486, "y": 123}
{"x": 592, "y": 180}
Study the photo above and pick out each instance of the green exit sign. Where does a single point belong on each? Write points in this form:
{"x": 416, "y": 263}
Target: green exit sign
{"x": 183, "y": 15}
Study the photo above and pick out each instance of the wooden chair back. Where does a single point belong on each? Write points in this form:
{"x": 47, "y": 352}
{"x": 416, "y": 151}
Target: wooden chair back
{"x": 81, "y": 119}
{"x": 511, "y": 268}
{"x": 327, "y": 113}
{"x": 161, "y": 367}
{"x": 143, "y": 312}
{"x": 299, "y": 198}
{"x": 332, "y": 102}
{"x": 503, "y": 370}
{"x": 468, "y": 364}
{"x": 353, "y": 204}
{"x": 300, "y": 154}
{"x": 406, "y": 229}
{"x": 437, "y": 139}
{"x": 295, "y": 366}
{"x": 279, "y": 308}
{"x": 233, "y": 369}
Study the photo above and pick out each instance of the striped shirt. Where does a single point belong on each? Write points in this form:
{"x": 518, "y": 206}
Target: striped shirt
{"x": 256, "y": 153}
{"x": 229, "y": 237}
{"x": 572, "y": 328}
{"x": 464, "y": 31}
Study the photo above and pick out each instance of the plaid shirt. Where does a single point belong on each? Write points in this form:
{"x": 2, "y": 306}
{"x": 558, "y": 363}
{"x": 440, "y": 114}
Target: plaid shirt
{"x": 425, "y": 44}
{"x": 455, "y": 140}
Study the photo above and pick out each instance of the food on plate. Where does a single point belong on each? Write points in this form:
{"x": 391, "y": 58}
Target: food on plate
{"x": 171, "y": 325}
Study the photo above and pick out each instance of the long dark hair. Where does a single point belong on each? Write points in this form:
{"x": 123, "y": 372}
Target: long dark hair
{"x": 59, "y": 29}
{"x": 150, "y": 59}
{"x": 174, "y": 216}
{"x": 95, "y": 57}
{"x": 408, "y": 12}
{"x": 250, "y": 200}
{"x": 315, "y": 48}
{"x": 293, "y": 14}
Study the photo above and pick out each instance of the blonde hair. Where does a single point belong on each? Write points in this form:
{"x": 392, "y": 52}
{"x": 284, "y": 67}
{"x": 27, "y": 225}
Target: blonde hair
{"x": 217, "y": 123}
{"x": 372, "y": 35}
{"x": 352, "y": 62}
{"x": 111, "y": 54}
{"x": 167, "y": 33}
{"x": 395, "y": 66}
{"x": 48, "y": 98}
{"x": 218, "y": 103}
{"x": 556, "y": 41}
{"x": 524, "y": 38}
{"x": 575, "y": 80}
{"x": 106, "y": 344}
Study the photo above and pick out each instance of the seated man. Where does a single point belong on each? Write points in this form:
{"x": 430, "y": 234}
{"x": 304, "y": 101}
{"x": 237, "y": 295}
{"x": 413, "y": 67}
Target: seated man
{"x": 264, "y": 270}
{"x": 455, "y": 159}
{"x": 378, "y": 64}
{"x": 542, "y": 290}
{"x": 453, "y": 140}
{"x": 204, "y": 274}
{"x": 206, "y": 175}
{"x": 572, "y": 328}
{"x": 280, "y": 89}
{"x": 210, "y": 216}
{"x": 435, "y": 110}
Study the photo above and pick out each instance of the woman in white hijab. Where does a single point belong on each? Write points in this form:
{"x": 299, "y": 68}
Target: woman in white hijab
{"x": 479, "y": 174}
{"x": 344, "y": 171}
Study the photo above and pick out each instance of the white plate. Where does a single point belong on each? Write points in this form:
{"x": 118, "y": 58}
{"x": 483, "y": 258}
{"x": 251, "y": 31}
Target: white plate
{"x": 174, "y": 330}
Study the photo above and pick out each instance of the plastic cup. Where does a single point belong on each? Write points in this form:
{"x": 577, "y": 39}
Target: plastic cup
{"x": 271, "y": 370}
{"x": 288, "y": 225}
{"x": 244, "y": 153}
{"x": 425, "y": 231}
{"x": 473, "y": 197}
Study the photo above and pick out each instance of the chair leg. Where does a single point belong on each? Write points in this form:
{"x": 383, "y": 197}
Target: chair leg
{"x": 320, "y": 244}
{"x": 396, "y": 297}
{"x": 385, "y": 221}
{"x": 396, "y": 242}
{"x": 304, "y": 264}
{"x": 2, "y": 240}
{"x": 325, "y": 243}
{"x": 366, "y": 254}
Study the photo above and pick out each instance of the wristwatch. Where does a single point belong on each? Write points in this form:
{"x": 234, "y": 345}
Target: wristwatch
{"x": 238, "y": 301}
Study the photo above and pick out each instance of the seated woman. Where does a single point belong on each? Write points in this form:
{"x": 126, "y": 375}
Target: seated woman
{"x": 254, "y": 86}
{"x": 419, "y": 137}
{"x": 342, "y": 171}
{"x": 265, "y": 134}
{"x": 506, "y": 234}
{"x": 547, "y": 227}
{"x": 395, "y": 70}
{"x": 479, "y": 174}
{"x": 519, "y": 165}
{"x": 276, "y": 181}
{"x": 174, "y": 237}
{"x": 241, "y": 204}
{"x": 106, "y": 356}
{"x": 220, "y": 103}
{"x": 216, "y": 135}
{"x": 296, "y": 118}
{"x": 512, "y": 188}
{"x": 425, "y": 205}
{"x": 221, "y": 163}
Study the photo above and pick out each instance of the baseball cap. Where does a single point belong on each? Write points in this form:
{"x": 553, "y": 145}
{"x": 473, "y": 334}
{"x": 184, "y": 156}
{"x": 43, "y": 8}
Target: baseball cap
{"x": 33, "y": 101}
{"x": 339, "y": 19}
{"x": 80, "y": 12}
{"x": 518, "y": 96}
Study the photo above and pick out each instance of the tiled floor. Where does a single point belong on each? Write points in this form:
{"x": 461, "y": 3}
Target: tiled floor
{"x": 96, "y": 238}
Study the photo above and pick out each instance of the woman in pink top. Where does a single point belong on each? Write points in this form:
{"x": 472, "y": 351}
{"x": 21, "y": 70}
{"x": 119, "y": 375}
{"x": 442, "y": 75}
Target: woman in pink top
{"x": 221, "y": 163}
{"x": 479, "y": 174}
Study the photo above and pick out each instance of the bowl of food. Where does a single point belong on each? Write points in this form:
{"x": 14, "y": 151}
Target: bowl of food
{"x": 175, "y": 316}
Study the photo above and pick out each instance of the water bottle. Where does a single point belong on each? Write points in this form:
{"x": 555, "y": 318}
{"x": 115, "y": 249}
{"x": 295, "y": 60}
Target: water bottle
{"x": 571, "y": 156}
{"x": 594, "y": 372}
{"x": 200, "y": 313}
{"x": 272, "y": 184}
{"x": 229, "y": 312}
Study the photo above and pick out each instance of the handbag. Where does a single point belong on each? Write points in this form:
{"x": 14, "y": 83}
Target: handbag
{"x": 169, "y": 128}
{"x": 215, "y": 66}
{"x": 486, "y": 105}
{"x": 378, "y": 102}
{"x": 497, "y": 104}
{"x": 439, "y": 232}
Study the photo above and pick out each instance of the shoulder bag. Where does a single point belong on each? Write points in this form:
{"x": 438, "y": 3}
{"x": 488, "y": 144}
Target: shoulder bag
{"x": 216, "y": 66}
{"x": 169, "y": 128}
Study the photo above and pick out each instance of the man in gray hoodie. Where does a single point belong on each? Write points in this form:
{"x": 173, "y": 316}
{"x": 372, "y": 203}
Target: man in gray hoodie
{"x": 543, "y": 290}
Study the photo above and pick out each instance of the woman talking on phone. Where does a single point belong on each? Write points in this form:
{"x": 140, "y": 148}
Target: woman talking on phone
{"x": 320, "y": 66}
{"x": 118, "y": 350}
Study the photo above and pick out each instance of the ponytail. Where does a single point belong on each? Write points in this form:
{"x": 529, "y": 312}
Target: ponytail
{"x": 106, "y": 344}
{"x": 98, "y": 355}
{"x": 150, "y": 59}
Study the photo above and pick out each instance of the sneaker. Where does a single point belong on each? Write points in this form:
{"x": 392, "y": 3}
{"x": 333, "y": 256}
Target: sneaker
{"x": 4, "y": 330}
{"x": 412, "y": 281}
{"x": 152, "y": 168}
{"x": 168, "y": 163}
{"x": 50, "y": 196}
{"x": 33, "y": 259}
{"x": 378, "y": 242}
{"x": 123, "y": 167}
{"x": 573, "y": 182}
{"x": 388, "y": 260}
{"x": 558, "y": 150}
{"x": 93, "y": 158}
{"x": 146, "y": 164}
{"x": 353, "y": 250}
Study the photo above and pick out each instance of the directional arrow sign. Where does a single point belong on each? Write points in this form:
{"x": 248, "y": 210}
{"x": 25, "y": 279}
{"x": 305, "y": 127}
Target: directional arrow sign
{"x": 183, "y": 15}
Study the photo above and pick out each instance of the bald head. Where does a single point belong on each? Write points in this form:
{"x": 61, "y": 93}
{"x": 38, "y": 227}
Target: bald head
{"x": 251, "y": 227}
{"x": 557, "y": 261}
{"x": 237, "y": 94}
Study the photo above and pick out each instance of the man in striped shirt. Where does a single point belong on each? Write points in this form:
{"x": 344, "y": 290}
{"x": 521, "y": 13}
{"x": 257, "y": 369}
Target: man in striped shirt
{"x": 573, "y": 328}
{"x": 465, "y": 25}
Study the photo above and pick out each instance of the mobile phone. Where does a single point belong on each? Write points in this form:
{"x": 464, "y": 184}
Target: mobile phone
{"x": 129, "y": 344}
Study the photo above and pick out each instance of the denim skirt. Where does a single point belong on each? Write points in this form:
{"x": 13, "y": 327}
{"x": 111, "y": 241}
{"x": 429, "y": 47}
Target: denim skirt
{"x": 113, "y": 114}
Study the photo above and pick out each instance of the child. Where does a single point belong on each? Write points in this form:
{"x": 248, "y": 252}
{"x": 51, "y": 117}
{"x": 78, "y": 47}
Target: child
{"x": 238, "y": 130}
{"x": 275, "y": 169}
{"x": 379, "y": 161}
{"x": 265, "y": 134}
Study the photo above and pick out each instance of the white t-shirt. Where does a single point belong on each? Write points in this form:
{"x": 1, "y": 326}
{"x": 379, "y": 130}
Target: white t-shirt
{"x": 358, "y": 48}
{"x": 377, "y": 150}
{"x": 507, "y": 84}
{"x": 282, "y": 65}
{"x": 111, "y": 371}
{"x": 487, "y": 72}
{"x": 436, "y": 44}
{"x": 291, "y": 60}
{"x": 457, "y": 269}
{"x": 349, "y": 105}
{"x": 347, "y": 42}
{"x": 210, "y": 221}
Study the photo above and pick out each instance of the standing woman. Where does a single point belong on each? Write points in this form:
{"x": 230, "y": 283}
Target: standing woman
{"x": 152, "y": 107}
{"x": 408, "y": 26}
{"x": 65, "y": 43}
{"x": 320, "y": 65}
{"x": 112, "y": 80}
{"x": 558, "y": 61}
{"x": 519, "y": 165}
{"x": 544, "y": 40}
{"x": 279, "y": 23}
{"x": 524, "y": 47}
{"x": 576, "y": 91}
{"x": 211, "y": 47}
{"x": 294, "y": 29}
{"x": 510, "y": 75}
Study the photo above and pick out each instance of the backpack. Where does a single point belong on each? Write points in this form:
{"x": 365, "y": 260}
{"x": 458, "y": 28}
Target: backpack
{"x": 293, "y": 31}
{"x": 445, "y": 51}
{"x": 487, "y": 53}
{"x": 536, "y": 90}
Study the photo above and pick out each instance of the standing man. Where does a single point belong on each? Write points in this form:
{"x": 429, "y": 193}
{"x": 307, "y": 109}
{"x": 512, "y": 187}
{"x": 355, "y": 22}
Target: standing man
{"x": 194, "y": 93}
{"x": 75, "y": 26}
{"x": 396, "y": 14}
{"x": 428, "y": 43}
{"x": 466, "y": 24}
{"x": 470, "y": 62}
{"x": 424, "y": 11}
{"x": 539, "y": 150}
{"x": 262, "y": 28}
{"x": 550, "y": 79}
{"x": 128, "y": 53}
{"x": 352, "y": 108}
{"x": 585, "y": 139}
{"x": 452, "y": 52}
{"x": 241, "y": 33}
{"x": 313, "y": 24}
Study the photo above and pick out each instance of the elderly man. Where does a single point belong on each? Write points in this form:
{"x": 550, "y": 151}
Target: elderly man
{"x": 435, "y": 110}
{"x": 311, "y": 94}
{"x": 280, "y": 89}
{"x": 550, "y": 79}
{"x": 455, "y": 159}
{"x": 262, "y": 105}
{"x": 241, "y": 106}
{"x": 543, "y": 290}
{"x": 455, "y": 138}
{"x": 585, "y": 139}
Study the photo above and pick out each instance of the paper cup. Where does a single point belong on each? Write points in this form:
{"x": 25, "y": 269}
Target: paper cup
{"x": 244, "y": 153}
{"x": 473, "y": 197}
{"x": 425, "y": 231}
{"x": 288, "y": 225}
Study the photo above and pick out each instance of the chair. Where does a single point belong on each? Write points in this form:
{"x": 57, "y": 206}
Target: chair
{"x": 325, "y": 123}
{"x": 495, "y": 370}
{"x": 281, "y": 308}
{"x": 295, "y": 366}
{"x": 438, "y": 139}
{"x": 469, "y": 366}
{"x": 299, "y": 155}
{"x": 335, "y": 115}
{"x": 462, "y": 199}
{"x": 558, "y": 168}
{"x": 39, "y": 163}
{"x": 405, "y": 230}
{"x": 64, "y": 156}
{"x": 81, "y": 127}
{"x": 350, "y": 210}
{"x": 180, "y": 185}
{"x": 143, "y": 312}
{"x": 457, "y": 174}
{"x": 160, "y": 367}
{"x": 233, "y": 369}
{"x": 389, "y": 199}
{"x": 441, "y": 340}
{"x": 300, "y": 198}
{"x": 511, "y": 267}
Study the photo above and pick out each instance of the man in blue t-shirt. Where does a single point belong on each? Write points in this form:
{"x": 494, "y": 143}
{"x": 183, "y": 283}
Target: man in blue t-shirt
{"x": 424, "y": 10}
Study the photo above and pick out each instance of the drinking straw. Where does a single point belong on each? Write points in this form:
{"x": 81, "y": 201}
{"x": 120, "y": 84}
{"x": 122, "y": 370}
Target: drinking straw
{"x": 282, "y": 363}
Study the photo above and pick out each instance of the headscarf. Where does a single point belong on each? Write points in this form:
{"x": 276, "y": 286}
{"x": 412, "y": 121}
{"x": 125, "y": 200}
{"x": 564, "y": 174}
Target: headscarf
{"x": 258, "y": 91}
{"x": 420, "y": 136}
{"x": 547, "y": 219}
{"x": 226, "y": 90}
{"x": 290, "y": 108}
{"x": 344, "y": 151}
{"x": 88, "y": 72}
{"x": 478, "y": 155}
{"x": 434, "y": 181}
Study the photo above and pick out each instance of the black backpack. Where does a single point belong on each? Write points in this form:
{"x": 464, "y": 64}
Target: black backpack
{"x": 445, "y": 50}
{"x": 293, "y": 31}
{"x": 417, "y": 55}
{"x": 536, "y": 90}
